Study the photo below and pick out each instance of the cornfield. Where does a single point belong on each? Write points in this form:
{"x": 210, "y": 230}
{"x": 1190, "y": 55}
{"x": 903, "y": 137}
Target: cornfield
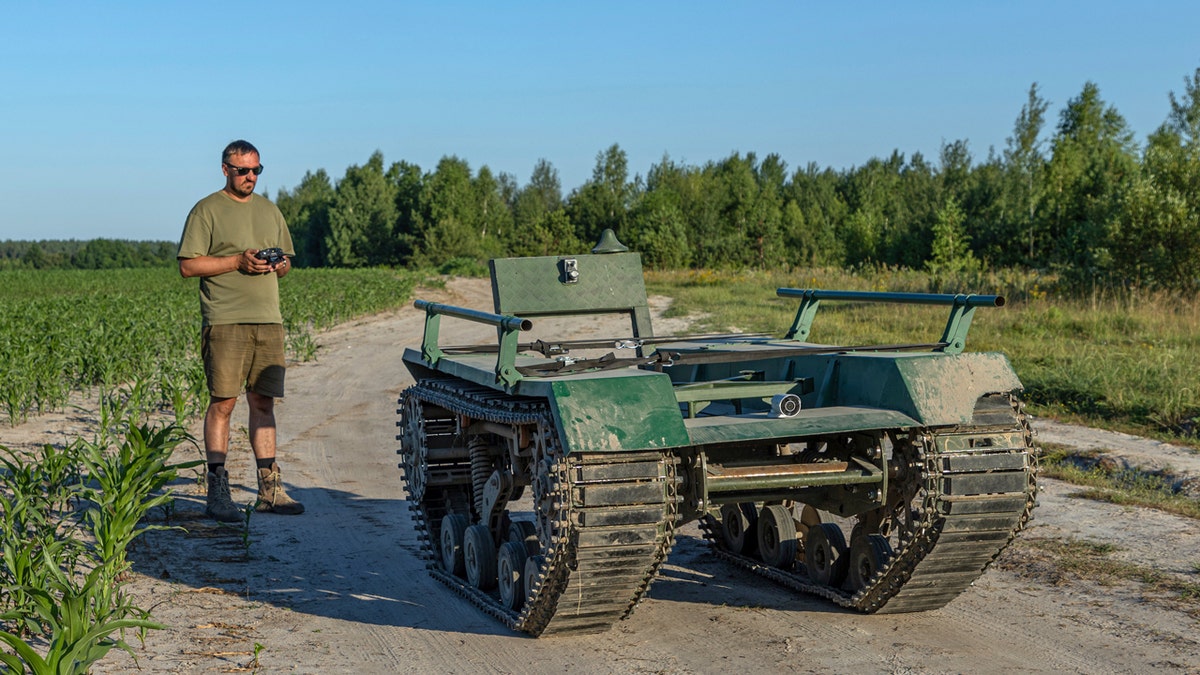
{"x": 63, "y": 331}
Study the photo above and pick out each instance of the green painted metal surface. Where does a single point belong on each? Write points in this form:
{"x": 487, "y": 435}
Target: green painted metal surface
{"x": 934, "y": 389}
{"x": 617, "y": 413}
{"x": 508, "y": 328}
{"x": 605, "y": 284}
{"x": 817, "y": 421}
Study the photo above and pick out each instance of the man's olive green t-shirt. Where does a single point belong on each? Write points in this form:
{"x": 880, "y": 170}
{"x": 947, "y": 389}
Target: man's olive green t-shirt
{"x": 219, "y": 225}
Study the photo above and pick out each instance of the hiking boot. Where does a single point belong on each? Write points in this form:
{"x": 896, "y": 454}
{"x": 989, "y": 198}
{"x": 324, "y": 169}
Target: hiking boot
{"x": 220, "y": 504}
{"x": 271, "y": 495}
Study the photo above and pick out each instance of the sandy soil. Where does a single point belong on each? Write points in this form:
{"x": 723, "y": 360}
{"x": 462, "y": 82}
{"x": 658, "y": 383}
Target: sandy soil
{"x": 340, "y": 589}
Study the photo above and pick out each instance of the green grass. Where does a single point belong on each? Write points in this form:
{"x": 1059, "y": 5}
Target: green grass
{"x": 1059, "y": 561}
{"x": 1123, "y": 362}
{"x": 1116, "y": 485}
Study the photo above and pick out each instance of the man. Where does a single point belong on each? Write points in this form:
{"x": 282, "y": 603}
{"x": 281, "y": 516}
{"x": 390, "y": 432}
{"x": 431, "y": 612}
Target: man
{"x": 242, "y": 334}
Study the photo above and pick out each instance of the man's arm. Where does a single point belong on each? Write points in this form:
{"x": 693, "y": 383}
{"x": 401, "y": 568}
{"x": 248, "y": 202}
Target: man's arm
{"x": 211, "y": 266}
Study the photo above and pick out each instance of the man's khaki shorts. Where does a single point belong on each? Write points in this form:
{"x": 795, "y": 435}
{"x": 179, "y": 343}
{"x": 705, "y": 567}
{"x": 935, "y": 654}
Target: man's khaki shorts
{"x": 243, "y": 356}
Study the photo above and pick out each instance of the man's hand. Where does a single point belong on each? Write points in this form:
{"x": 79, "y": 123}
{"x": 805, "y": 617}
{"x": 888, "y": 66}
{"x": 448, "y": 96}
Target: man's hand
{"x": 250, "y": 263}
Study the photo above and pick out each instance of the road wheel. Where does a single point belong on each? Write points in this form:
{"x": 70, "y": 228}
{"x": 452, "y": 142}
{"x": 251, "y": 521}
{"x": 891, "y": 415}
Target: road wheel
{"x": 533, "y": 572}
{"x": 454, "y": 525}
{"x": 777, "y": 536}
{"x": 479, "y": 556}
{"x": 510, "y": 573}
{"x": 868, "y": 555}
{"x": 825, "y": 554}
{"x": 739, "y": 527}
{"x": 525, "y": 533}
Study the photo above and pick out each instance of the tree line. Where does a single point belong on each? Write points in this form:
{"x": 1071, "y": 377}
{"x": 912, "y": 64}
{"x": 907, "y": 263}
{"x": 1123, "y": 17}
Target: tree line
{"x": 1080, "y": 199}
{"x": 93, "y": 254}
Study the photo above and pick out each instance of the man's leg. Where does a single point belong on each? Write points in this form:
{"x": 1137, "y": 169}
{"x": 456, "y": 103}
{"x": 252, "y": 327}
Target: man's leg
{"x": 216, "y": 429}
{"x": 271, "y": 494}
{"x": 219, "y": 502}
{"x": 227, "y": 350}
{"x": 262, "y": 425}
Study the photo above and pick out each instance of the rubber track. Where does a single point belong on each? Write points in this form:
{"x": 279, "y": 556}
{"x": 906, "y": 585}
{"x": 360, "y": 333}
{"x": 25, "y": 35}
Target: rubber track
{"x": 957, "y": 538}
{"x": 614, "y": 523}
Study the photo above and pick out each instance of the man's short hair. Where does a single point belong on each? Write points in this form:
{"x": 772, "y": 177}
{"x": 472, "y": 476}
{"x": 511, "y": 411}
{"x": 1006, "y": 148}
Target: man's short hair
{"x": 238, "y": 147}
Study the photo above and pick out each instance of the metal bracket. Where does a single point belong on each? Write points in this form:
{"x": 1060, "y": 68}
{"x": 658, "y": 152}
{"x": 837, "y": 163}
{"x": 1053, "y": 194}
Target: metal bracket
{"x": 802, "y": 324}
{"x": 496, "y": 492}
{"x": 570, "y": 271}
{"x": 955, "y": 335}
{"x": 429, "y": 343}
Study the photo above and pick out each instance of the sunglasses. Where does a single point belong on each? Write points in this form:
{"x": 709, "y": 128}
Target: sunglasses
{"x": 243, "y": 170}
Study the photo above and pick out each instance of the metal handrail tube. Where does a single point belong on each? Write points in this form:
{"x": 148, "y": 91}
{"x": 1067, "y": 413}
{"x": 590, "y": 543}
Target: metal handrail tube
{"x": 885, "y": 296}
{"x": 508, "y": 323}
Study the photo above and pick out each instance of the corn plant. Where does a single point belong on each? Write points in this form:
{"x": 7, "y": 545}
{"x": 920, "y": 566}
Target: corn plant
{"x": 255, "y": 663}
{"x": 47, "y": 478}
{"x": 81, "y": 617}
{"x": 34, "y": 497}
{"x": 33, "y": 516}
{"x": 124, "y": 484}
{"x": 122, "y": 407}
{"x": 24, "y": 571}
{"x": 54, "y": 586}
{"x": 302, "y": 346}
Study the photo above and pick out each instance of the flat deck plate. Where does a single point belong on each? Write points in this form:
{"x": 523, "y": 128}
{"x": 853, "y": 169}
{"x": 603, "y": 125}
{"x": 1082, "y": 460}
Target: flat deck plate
{"x": 815, "y": 421}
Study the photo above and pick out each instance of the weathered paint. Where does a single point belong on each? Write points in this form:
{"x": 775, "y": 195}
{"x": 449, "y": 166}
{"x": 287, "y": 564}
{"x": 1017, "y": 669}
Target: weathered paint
{"x": 930, "y": 387}
{"x": 810, "y": 422}
{"x": 934, "y": 389}
{"x": 614, "y": 414}
{"x": 607, "y": 283}
{"x": 477, "y": 368}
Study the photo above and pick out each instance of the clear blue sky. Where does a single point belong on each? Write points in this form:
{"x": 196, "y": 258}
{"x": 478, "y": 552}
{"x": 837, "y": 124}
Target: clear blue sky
{"x": 113, "y": 115}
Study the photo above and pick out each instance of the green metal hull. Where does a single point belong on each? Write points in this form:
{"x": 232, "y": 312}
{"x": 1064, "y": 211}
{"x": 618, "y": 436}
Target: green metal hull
{"x": 631, "y": 410}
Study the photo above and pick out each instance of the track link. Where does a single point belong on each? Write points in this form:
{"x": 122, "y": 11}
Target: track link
{"x": 607, "y": 519}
